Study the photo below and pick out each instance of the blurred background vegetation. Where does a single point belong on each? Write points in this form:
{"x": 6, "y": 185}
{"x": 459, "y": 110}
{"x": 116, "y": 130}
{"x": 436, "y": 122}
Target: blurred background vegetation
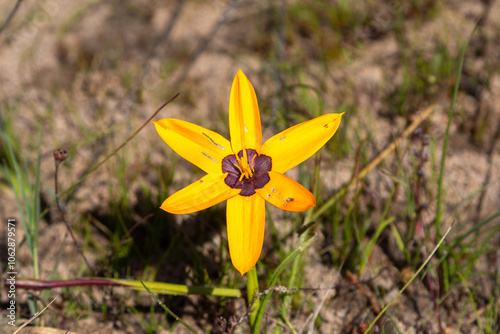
{"x": 83, "y": 76}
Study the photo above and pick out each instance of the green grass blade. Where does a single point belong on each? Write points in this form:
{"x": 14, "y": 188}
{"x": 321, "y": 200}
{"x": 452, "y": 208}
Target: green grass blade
{"x": 305, "y": 245}
{"x": 168, "y": 310}
{"x": 409, "y": 281}
{"x": 252, "y": 291}
{"x": 439, "y": 216}
{"x": 35, "y": 211}
{"x": 369, "y": 248}
{"x": 459, "y": 239}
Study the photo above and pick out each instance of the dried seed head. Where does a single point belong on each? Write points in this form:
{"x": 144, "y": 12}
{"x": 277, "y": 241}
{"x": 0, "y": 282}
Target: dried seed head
{"x": 60, "y": 155}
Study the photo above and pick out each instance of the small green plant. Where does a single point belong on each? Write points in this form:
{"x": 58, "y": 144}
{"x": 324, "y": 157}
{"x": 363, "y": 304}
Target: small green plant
{"x": 26, "y": 191}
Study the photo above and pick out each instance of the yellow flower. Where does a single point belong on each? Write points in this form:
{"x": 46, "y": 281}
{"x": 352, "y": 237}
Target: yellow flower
{"x": 244, "y": 172}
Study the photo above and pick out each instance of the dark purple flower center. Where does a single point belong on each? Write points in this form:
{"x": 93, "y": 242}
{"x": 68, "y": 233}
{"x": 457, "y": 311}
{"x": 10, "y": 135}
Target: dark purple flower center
{"x": 238, "y": 178}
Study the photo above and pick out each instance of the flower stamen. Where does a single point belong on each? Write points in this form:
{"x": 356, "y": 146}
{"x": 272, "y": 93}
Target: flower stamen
{"x": 244, "y": 174}
{"x": 246, "y": 170}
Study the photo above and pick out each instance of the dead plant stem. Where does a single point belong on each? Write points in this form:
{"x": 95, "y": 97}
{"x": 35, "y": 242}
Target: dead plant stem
{"x": 80, "y": 249}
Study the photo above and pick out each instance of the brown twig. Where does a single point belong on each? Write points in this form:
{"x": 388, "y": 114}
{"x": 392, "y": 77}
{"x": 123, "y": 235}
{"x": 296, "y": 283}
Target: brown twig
{"x": 100, "y": 163}
{"x": 134, "y": 227}
{"x": 60, "y": 156}
{"x": 122, "y": 240}
{"x": 11, "y": 15}
{"x": 360, "y": 287}
{"x": 36, "y": 315}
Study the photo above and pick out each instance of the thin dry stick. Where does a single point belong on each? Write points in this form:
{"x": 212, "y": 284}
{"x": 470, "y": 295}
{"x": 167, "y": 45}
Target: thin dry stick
{"x": 11, "y": 15}
{"x": 134, "y": 227}
{"x": 99, "y": 164}
{"x": 276, "y": 288}
{"x": 360, "y": 287}
{"x": 177, "y": 318}
{"x": 60, "y": 156}
{"x": 356, "y": 178}
{"x": 320, "y": 303}
{"x": 35, "y": 316}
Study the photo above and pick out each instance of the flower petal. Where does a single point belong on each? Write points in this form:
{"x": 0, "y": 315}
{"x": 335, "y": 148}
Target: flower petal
{"x": 294, "y": 145}
{"x": 245, "y": 230}
{"x": 284, "y": 193}
{"x": 244, "y": 117}
{"x": 198, "y": 145}
{"x": 207, "y": 191}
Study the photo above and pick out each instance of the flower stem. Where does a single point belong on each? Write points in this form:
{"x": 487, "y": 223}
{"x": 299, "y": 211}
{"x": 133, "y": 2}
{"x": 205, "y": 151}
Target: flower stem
{"x": 252, "y": 291}
{"x": 100, "y": 163}
{"x": 156, "y": 287}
